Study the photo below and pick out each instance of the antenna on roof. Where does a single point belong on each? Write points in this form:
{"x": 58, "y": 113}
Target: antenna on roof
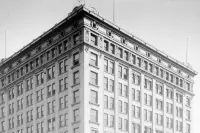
{"x": 5, "y": 43}
{"x": 187, "y": 51}
{"x": 113, "y": 11}
{"x": 78, "y": 2}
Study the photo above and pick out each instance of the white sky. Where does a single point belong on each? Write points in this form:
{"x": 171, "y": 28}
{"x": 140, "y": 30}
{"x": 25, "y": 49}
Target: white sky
{"x": 163, "y": 23}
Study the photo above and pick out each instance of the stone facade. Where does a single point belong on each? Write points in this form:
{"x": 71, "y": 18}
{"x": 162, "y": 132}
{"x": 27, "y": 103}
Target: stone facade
{"x": 88, "y": 75}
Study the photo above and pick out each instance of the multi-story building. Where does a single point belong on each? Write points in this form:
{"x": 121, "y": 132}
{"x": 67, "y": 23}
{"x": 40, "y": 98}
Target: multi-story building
{"x": 87, "y": 75}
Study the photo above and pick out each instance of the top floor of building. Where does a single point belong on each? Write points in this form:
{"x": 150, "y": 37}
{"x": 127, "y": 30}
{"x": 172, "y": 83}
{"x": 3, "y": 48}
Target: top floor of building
{"x": 86, "y": 26}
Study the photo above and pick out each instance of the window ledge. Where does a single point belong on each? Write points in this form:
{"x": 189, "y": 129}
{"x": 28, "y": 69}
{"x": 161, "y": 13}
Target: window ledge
{"x": 75, "y": 66}
{"x": 75, "y": 104}
{"x": 94, "y": 66}
{"x": 75, "y": 85}
{"x": 188, "y": 106}
{"x": 75, "y": 122}
{"x": 94, "y": 85}
{"x": 2, "y": 103}
{"x": 94, "y": 122}
{"x": 109, "y": 90}
{"x": 94, "y": 104}
{"x": 136, "y": 117}
{"x": 188, "y": 120}
{"x": 2, "y": 117}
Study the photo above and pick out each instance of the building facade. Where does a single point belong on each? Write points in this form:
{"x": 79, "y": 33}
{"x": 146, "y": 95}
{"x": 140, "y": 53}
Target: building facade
{"x": 87, "y": 75}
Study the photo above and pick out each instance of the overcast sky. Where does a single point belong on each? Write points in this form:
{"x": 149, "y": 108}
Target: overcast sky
{"x": 164, "y": 24}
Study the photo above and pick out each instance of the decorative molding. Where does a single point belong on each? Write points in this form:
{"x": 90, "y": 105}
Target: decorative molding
{"x": 101, "y": 42}
{"x": 87, "y": 33}
{"x": 69, "y": 54}
{"x": 80, "y": 48}
{"x": 86, "y": 48}
{"x": 69, "y": 42}
{"x": 100, "y": 54}
{"x": 75, "y": 24}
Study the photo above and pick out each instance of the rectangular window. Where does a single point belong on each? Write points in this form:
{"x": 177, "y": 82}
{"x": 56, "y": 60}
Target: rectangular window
{"x": 120, "y": 71}
{"x": 120, "y": 123}
{"x": 120, "y": 52}
{"x": 27, "y": 68}
{"x": 105, "y": 101}
{"x": 125, "y": 90}
{"x": 76, "y": 38}
{"x": 105, "y": 83}
{"x": 48, "y": 55}
{"x": 19, "y": 89}
{"x": 63, "y": 120}
{"x": 112, "y": 121}
{"x": 76, "y": 59}
{"x": 159, "y": 89}
{"x": 76, "y": 96}
{"x": 93, "y": 78}
{"x": 135, "y": 128}
{"x": 125, "y": 73}
{"x": 136, "y": 78}
{"x": 125, "y": 124}
{"x": 76, "y": 77}
{"x": 60, "y": 48}
{"x": 105, "y": 119}
{"x": 120, "y": 89}
{"x": 126, "y": 55}
{"x": 63, "y": 102}
{"x": 112, "y": 48}
{"x": 148, "y": 84}
{"x": 106, "y": 45}
{"x": 111, "y": 88}
{"x": 94, "y": 97}
{"x": 112, "y": 103}
{"x": 94, "y": 115}
{"x": 105, "y": 65}
{"x": 61, "y": 85}
{"x": 138, "y": 61}
{"x": 93, "y": 59}
{"x": 51, "y": 90}
{"x": 51, "y": 124}
{"x": 93, "y": 39}
{"x": 120, "y": 106}
{"x": 111, "y": 67}
{"x": 76, "y": 115}
{"x": 65, "y": 45}
{"x": 51, "y": 107}
{"x": 40, "y": 95}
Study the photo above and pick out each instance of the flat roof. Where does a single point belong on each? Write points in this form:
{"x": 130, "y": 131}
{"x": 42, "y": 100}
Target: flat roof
{"x": 86, "y": 9}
